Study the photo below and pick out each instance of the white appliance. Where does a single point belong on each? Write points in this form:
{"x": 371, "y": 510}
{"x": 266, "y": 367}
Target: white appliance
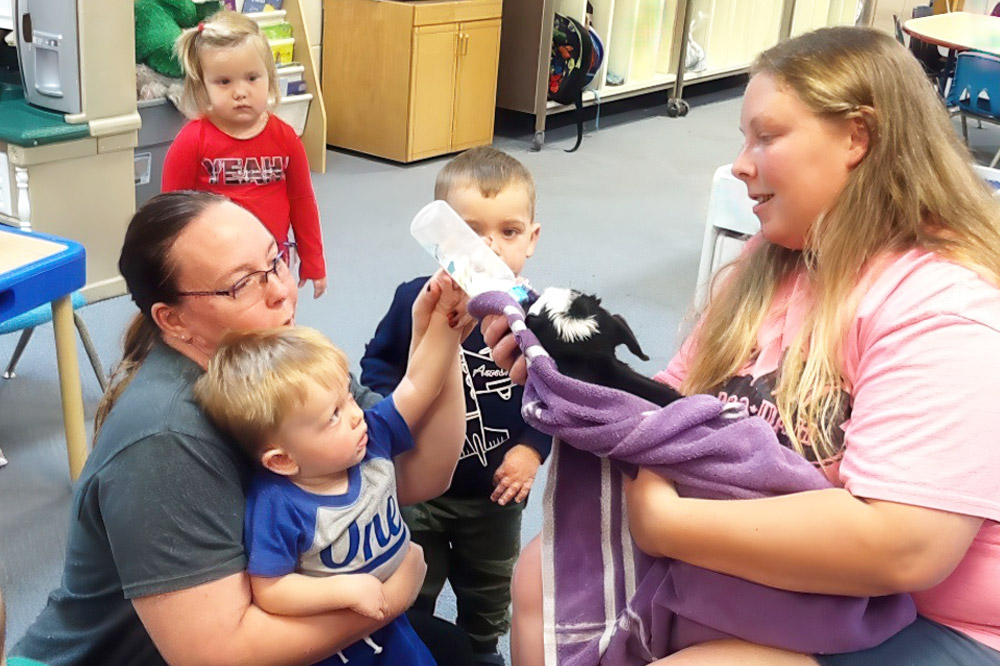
{"x": 48, "y": 53}
{"x": 6, "y": 14}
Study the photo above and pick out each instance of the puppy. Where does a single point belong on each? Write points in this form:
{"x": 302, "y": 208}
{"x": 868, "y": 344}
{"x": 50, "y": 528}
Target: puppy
{"x": 581, "y": 336}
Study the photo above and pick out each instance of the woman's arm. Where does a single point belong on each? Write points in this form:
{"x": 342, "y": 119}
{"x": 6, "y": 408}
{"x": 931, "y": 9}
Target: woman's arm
{"x": 824, "y": 541}
{"x": 217, "y": 624}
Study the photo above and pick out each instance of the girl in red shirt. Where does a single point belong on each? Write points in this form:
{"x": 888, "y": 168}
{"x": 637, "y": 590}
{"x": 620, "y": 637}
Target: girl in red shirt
{"x": 235, "y": 146}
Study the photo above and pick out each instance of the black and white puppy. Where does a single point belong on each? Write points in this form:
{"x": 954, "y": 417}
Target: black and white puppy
{"x": 581, "y": 336}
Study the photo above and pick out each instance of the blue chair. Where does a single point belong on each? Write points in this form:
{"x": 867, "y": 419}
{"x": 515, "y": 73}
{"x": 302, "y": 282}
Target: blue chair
{"x": 26, "y": 324}
{"x": 976, "y": 74}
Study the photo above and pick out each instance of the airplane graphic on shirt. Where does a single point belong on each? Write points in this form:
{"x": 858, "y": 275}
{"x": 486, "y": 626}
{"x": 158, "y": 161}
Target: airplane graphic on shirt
{"x": 480, "y": 380}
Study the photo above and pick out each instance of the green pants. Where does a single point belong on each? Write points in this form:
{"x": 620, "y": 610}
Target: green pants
{"x": 472, "y": 543}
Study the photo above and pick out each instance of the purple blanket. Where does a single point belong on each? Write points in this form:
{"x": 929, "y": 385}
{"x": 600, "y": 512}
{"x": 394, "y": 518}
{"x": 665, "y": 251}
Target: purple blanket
{"x": 605, "y": 602}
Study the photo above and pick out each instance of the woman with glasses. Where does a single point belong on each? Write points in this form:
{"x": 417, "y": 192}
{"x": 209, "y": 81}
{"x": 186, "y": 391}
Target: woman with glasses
{"x": 155, "y": 568}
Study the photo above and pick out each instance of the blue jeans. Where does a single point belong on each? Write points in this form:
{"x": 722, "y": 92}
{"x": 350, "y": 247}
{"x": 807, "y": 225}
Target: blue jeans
{"x": 923, "y": 643}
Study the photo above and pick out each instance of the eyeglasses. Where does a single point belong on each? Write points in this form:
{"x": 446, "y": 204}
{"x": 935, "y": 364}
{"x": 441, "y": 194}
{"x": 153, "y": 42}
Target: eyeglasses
{"x": 252, "y": 285}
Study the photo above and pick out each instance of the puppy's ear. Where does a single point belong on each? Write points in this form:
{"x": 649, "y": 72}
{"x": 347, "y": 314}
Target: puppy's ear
{"x": 623, "y": 335}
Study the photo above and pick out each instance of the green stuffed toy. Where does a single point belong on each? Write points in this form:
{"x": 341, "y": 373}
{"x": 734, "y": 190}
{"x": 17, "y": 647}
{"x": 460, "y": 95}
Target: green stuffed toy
{"x": 158, "y": 24}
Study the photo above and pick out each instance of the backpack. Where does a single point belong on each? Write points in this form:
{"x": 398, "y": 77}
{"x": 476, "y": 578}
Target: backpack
{"x": 577, "y": 54}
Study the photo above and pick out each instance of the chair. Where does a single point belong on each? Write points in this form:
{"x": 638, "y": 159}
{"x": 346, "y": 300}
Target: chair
{"x": 27, "y": 322}
{"x": 977, "y": 74}
{"x": 730, "y": 222}
{"x": 937, "y": 67}
{"x": 897, "y": 26}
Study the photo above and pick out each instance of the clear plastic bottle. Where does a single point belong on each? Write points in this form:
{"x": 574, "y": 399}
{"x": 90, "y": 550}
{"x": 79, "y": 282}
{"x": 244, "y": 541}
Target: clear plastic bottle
{"x": 461, "y": 252}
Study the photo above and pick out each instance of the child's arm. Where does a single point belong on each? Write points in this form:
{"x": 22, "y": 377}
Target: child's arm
{"x": 180, "y": 166}
{"x": 295, "y": 594}
{"x": 304, "y": 216}
{"x": 434, "y": 355}
{"x": 439, "y": 426}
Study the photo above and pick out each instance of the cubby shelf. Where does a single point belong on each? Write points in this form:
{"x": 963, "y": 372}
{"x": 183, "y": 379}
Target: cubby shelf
{"x": 643, "y": 41}
{"x": 314, "y": 132}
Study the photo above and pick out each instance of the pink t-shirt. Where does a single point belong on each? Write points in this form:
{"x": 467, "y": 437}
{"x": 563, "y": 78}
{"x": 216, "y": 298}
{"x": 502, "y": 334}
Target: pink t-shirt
{"x": 922, "y": 363}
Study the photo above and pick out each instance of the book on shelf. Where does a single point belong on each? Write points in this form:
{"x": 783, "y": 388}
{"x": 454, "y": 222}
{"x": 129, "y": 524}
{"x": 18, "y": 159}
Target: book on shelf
{"x": 252, "y": 6}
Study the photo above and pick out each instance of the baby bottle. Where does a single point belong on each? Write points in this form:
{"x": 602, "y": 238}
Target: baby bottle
{"x": 457, "y": 248}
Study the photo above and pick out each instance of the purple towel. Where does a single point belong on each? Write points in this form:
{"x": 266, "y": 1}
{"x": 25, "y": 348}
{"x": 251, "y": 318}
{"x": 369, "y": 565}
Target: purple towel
{"x": 605, "y": 602}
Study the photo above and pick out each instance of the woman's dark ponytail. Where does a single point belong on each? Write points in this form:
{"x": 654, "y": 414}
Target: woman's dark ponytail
{"x": 148, "y": 268}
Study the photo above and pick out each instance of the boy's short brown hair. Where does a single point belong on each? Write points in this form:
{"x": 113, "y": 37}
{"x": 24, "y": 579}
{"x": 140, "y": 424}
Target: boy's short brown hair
{"x": 487, "y": 168}
{"x": 254, "y": 378}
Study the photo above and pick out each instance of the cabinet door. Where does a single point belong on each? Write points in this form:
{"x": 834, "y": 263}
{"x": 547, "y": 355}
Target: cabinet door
{"x": 476, "y": 88}
{"x": 432, "y": 90}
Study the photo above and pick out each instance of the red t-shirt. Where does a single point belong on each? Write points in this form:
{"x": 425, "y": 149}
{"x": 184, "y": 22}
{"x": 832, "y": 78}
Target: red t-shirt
{"x": 267, "y": 174}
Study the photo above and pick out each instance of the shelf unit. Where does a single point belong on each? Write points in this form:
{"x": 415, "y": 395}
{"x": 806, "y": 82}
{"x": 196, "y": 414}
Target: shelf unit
{"x": 314, "y": 135}
{"x": 643, "y": 42}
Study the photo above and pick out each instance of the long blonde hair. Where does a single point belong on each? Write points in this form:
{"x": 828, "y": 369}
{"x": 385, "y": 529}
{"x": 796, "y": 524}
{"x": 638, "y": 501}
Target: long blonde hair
{"x": 914, "y": 188}
{"x": 225, "y": 29}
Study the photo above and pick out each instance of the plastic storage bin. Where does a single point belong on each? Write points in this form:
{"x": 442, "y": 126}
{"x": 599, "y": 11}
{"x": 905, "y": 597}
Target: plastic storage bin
{"x": 282, "y": 50}
{"x": 267, "y": 17}
{"x": 289, "y": 76}
{"x": 282, "y": 30}
{"x": 293, "y": 110}
{"x": 161, "y": 121}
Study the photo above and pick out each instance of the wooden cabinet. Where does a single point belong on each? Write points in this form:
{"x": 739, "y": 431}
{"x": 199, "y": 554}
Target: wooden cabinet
{"x": 407, "y": 79}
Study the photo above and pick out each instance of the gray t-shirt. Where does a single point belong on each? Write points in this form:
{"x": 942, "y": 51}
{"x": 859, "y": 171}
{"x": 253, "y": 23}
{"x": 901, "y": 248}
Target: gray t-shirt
{"x": 158, "y": 508}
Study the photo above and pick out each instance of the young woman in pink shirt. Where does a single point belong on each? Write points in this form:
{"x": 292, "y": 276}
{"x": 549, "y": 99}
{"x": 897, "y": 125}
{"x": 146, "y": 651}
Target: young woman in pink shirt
{"x": 867, "y": 322}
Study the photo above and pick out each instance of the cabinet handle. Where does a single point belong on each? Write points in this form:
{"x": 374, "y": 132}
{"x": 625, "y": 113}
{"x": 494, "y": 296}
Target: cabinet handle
{"x": 465, "y": 43}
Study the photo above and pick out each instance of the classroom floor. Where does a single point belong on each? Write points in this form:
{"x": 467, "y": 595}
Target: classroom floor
{"x": 622, "y": 217}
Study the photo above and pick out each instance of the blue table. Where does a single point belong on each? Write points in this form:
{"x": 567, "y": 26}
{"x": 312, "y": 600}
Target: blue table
{"x": 36, "y": 269}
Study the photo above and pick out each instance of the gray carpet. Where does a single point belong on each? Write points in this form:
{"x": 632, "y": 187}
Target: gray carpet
{"x": 622, "y": 217}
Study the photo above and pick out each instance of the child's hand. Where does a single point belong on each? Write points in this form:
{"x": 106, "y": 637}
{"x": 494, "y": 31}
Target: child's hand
{"x": 454, "y": 304}
{"x": 441, "y": 297}
{"x": 425, "y": 304}
{"x": 515, "y": 475}
{"x": 369, "y": 596}
{"x": 319, "y": 286}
